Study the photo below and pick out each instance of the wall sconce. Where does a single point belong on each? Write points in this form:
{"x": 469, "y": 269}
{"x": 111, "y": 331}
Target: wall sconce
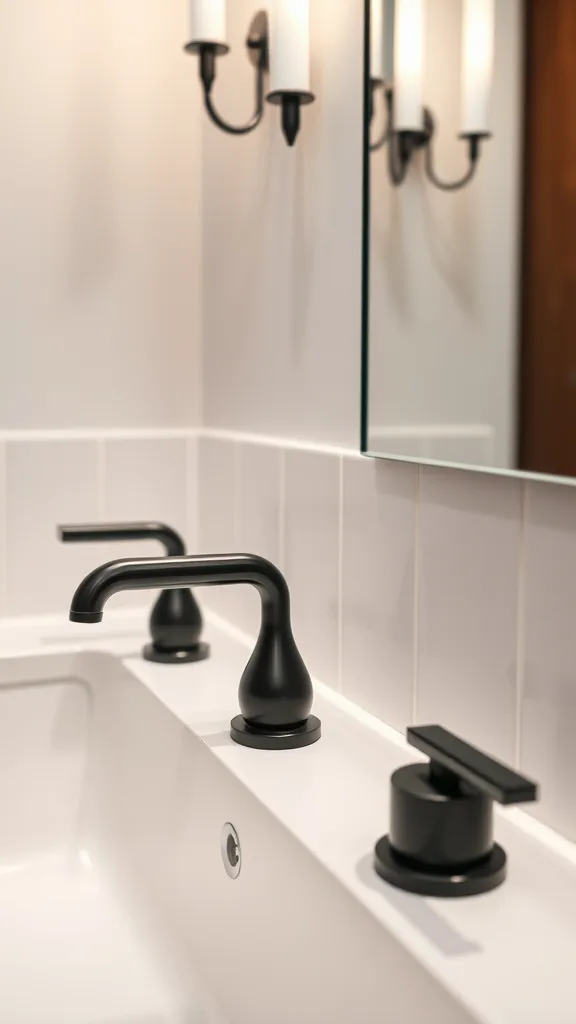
{"x": 409, "y": 125}
{"x": 280, "y": 46}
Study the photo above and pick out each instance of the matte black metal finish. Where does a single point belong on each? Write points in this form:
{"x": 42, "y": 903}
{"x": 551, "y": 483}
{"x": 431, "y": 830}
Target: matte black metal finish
{"x": 257, "y": 46}
{"x": 481, "y": 878}
{"x": 92, "y": 533}
{"x": 275, "y": 693}
{"x": 442, "y": 828}
{"x": 301, "y": 736}
{"x": 472, "y": 765}
{"x": 291, "y": 102}
{"x": 176, "y": 620}
{"x": 441, "y": 822}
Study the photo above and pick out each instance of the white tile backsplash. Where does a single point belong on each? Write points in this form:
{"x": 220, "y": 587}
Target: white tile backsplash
{"x": 548, "y": 743}
{"x": 144, "y": 479}
{"x": 312, "y": 555}
{"x": 420, "y": 592}
{"x": 217, "y": 517}
{"x": 48, "y": 483}
{"x": 378, "y": 563}
{"x": 469, "y": 551}
{"x": 257, "y": 528}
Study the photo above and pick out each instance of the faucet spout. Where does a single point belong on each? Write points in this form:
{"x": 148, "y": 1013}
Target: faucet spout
{"x": 276, "y": 692}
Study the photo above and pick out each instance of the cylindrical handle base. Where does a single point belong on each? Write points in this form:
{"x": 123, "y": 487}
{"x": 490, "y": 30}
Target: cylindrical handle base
{"x": 437, "y": 828}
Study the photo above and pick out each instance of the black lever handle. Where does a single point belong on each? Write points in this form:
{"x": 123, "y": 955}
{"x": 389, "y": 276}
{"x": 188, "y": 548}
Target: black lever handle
{"x": 441, "y": 818}
{"x": 82, "y": 533}
{"x": 466, "y": 762}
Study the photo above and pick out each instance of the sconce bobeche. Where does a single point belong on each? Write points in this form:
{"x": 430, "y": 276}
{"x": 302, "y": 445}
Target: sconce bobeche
{"x": 402, "y": 144}
{"x": 208, "y": 49}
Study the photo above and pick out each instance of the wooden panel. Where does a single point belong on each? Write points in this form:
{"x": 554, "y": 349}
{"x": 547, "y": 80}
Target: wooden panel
{"x": 548, "y": 385}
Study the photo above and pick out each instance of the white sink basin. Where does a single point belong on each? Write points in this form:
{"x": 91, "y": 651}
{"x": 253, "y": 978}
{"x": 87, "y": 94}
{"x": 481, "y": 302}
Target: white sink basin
{"x": 115, "y": 904}
{"x": 79, "y": 777}
{"x": 116, "y": 907}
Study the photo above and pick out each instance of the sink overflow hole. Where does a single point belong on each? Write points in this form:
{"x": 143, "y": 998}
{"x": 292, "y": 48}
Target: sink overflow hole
{"x": 230, "y": 850}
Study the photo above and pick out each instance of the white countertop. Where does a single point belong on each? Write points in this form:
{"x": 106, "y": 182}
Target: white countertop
{"x": 508, "y": 956}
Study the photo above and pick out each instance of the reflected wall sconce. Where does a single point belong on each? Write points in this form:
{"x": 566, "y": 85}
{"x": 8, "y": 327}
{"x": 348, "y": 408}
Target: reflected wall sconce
{"x": 397, "y": 43}
{"x": 278, "y": 46}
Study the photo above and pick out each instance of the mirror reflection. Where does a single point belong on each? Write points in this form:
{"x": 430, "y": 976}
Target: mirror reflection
{"x": 470, "y": 339}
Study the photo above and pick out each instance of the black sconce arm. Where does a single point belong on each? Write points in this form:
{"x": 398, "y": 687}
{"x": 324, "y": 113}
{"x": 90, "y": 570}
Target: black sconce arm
{"x": 376, "y": 84}
{"x": 474, "y": 139}
{"x": 257, "y": 46}
{"x": 207, "y": 54}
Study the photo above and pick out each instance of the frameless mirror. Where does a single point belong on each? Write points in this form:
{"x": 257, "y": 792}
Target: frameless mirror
{"x": 470, "y": 233}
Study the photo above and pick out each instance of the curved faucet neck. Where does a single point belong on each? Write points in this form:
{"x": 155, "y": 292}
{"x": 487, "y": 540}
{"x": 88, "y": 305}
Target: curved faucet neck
{"x": 81, "y": 533}
{"x": 184, "y": 571}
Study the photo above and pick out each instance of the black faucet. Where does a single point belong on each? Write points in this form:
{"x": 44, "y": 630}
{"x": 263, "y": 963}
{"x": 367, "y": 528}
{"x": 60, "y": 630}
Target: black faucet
{"x": 276, "y": 693}
{"x": 175, "y": 620}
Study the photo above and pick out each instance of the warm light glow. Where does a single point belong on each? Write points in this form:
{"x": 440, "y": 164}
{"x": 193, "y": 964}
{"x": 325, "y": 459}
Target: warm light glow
{"x": 290, "y": 46}
{"x": 409, "y": 64}
{"x": 208, "y": 21}
{"x": 477, "y": 64}
{"x": 85, "y": 860}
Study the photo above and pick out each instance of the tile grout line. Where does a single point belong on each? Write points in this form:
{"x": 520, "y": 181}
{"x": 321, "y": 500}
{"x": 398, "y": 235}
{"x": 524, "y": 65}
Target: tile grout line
{"x": 520, "y": 627}
{"x": 235, "y": 491}
{"x": 416, "y": 622}
{"x": 5, "y": 540}
{"x": 272, "y": 441}
{"x": 49, "y": 435}
{"x": 190, "y": 492}
{"x": 101, "y": 476}
{"x": 282, "y": 510}
{"x": 340, "y": 676}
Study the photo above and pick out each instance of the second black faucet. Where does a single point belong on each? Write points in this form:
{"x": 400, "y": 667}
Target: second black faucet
{"x": 176, "y": 620}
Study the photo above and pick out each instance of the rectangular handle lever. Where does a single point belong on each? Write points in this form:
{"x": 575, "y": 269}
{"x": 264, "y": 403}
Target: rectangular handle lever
{"x": 486, "y": 774}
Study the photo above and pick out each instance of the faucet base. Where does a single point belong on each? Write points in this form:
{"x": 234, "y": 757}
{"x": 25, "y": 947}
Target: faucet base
{"x": 472, "y": 881}
{"x": 271, "y": 739}
{"x": 198, "y": 653}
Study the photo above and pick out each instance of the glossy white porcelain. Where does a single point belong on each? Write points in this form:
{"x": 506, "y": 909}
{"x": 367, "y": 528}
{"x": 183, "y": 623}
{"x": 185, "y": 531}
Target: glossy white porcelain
{"x": 118, "y": 778}
{"x": 78, "y": 945}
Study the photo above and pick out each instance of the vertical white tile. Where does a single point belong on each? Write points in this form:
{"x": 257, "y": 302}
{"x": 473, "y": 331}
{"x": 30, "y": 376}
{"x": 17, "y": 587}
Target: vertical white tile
{"x": 192, "y": 498}
{"x": 217, "y": 502}
{"x": 312, "y": 557}
{"x": 144, "y": 479}
{"x": 257, "y": 519}
{"x": 470, "y": 532}
{"x": 3, "y": 532}
{"x": 378, "y": 553}
{"x": 48, "y": 482}
{"x": 548, "y": 734}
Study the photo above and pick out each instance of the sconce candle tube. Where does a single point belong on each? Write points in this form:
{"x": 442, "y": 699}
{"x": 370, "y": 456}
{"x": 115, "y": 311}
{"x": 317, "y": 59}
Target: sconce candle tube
{"x": 290, "y": 63}
{"x": 208, "y": 22}
{"x": 409, "y": 65}
{"x": 290, "y": 46}
{"x": 477, "y": 65}
{"x": 377, "y": 41}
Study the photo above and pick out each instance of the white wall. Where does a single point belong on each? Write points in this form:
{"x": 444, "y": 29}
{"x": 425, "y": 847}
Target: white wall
{"x": 99, "y": 215}
{"x": 445, "y": 267}
{"x": 282, "y": 246}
